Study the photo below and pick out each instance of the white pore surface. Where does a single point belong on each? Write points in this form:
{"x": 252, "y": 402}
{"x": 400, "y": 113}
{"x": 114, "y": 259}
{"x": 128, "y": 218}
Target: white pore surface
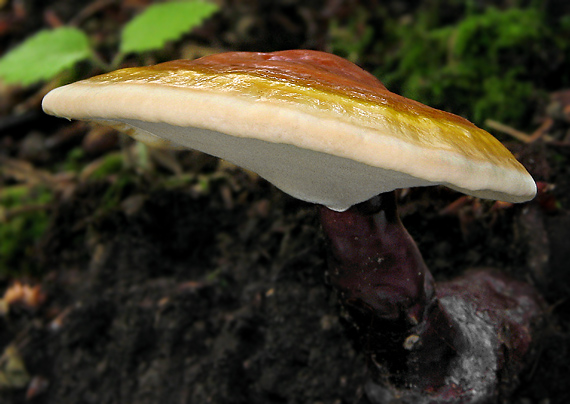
{"x": 335, "y": 182}
{"x": 334, "y": 159}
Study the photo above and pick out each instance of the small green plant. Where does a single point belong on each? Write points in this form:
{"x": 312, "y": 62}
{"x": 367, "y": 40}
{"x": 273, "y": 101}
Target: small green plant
{"x": 50, "y": 52}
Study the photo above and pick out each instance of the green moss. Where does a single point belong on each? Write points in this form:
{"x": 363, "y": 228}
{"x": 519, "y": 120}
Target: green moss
{"x": 24, "y": 217}
{"x": 351, "y": 39}
{"x": 74, "y": 161}
{"x": 116, "y": 192}
{"x": 111, "y": 163}
{"x": 481, "y": 67}
{"x": 478, "y": 62}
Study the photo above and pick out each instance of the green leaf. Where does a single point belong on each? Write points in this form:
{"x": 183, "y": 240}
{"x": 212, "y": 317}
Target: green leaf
{"x": 44, "y": 55}
{"x": 161, "y": 23}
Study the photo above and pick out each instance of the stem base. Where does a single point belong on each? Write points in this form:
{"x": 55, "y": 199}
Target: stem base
{"x": 465, "y": 341}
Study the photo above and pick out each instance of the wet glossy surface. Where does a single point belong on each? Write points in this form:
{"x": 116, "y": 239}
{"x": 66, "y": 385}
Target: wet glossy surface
{"x": 325, "y": 84}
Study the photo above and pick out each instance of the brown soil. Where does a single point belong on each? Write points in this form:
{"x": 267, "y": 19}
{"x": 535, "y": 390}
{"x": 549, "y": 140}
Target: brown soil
{"x": 179, "y": 296}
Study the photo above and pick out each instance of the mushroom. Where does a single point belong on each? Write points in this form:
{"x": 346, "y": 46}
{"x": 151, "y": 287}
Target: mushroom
{"x": 325, "y": 131}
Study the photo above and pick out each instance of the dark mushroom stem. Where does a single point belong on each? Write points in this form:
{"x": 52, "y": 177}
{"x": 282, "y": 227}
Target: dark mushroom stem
{"x": 423, "y": 345}
{"x": 388, "y": 292}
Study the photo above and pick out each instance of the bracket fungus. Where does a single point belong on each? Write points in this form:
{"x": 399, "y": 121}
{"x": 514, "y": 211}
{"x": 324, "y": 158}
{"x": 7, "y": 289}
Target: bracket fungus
{"x": 325, "y": 131}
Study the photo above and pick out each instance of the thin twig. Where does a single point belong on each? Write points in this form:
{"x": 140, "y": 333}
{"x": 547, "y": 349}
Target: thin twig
{"x": 517, "y": 134}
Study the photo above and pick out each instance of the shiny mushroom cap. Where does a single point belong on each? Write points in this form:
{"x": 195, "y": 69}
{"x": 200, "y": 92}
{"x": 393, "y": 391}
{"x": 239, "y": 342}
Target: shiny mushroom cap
{"x": 315, "y": 125}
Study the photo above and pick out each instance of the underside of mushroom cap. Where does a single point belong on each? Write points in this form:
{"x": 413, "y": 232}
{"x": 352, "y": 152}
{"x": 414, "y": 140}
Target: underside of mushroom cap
{"x": 315, "y": 125}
